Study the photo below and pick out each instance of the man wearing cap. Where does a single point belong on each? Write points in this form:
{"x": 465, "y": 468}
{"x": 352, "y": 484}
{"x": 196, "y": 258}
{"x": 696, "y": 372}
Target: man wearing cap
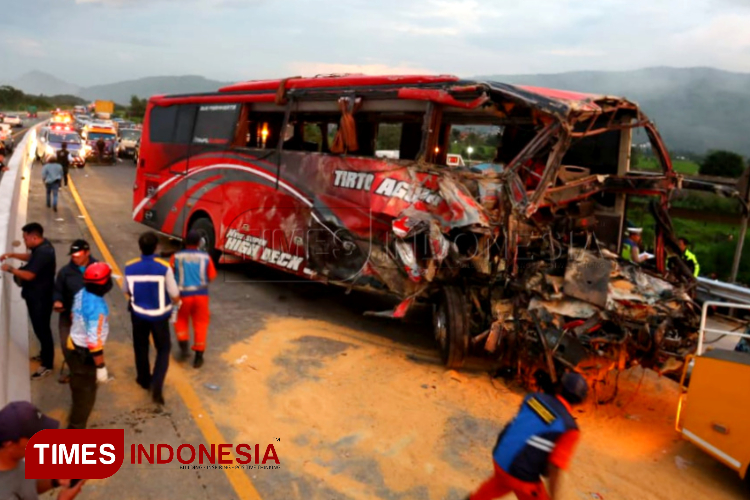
{"x": 19, "y": 421}
{"x": 37, "y": 280}
{"x": 631, "y": 245}
{"x": 68, "y": 283}
{"x": 538, "y": 442}
{"x": 193, "y": 270}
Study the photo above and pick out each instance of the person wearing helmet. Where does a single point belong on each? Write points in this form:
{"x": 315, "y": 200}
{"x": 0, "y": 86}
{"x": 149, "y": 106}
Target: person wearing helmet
{"x": 539, "y": 441}
{"x": 88, "y": 335}
{"x": 193, "y": 271}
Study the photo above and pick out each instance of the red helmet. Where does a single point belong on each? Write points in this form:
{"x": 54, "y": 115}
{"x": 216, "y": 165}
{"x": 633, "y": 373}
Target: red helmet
{"x": 97, "y": 273}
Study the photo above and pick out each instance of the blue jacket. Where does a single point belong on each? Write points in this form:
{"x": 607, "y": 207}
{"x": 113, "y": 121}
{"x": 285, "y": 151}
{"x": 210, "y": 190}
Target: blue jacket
{"x": 150, "y": 283}
{"x": 52, "y": 172}
{"x": 535, "y": 438}
{"x": 193, "y": 270}
{"x": 90, "y": 321}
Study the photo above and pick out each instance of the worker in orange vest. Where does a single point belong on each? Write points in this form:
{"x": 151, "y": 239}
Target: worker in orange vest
{"x": 193, "y": 270}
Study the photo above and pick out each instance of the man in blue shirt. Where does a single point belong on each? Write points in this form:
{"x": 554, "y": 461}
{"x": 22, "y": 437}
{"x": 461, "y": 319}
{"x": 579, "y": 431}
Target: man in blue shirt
{"x": 538, "y": 442}
{"x": 151, "y": 291}
{"x": 52, "y": 174}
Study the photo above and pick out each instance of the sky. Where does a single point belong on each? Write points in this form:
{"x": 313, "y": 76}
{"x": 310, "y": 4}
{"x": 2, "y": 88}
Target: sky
{"x": 88, "y": 42}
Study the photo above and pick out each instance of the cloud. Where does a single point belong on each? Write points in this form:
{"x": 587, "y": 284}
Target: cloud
{"x": 321, "y": 68}
{"x": 445, "y": 18}
{"x": 575, "y": 52}
{"x": 234, "y": 39}
{"x": 414, "y": 29}
{"x": 28, "y": 47}
{"x": 203, "y": 3}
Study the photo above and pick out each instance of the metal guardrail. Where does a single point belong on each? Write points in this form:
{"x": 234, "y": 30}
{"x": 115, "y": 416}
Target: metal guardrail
{"x": 725, "y": 291}
{"x": 704, "y": 317}
{"x": 14, "y": 328}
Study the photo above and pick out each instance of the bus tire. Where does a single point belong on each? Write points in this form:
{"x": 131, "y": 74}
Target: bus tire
{"x": 451, "y": 326}
{"x": 208, "y": 236}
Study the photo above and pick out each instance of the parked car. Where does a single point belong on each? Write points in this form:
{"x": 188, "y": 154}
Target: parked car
{"x": 126, "y": 144}
{"x": 51, "y": 139}
{"x": 13, "y": 119}
{"x": 91, "y": 135}
{"x": 6, "y": 137}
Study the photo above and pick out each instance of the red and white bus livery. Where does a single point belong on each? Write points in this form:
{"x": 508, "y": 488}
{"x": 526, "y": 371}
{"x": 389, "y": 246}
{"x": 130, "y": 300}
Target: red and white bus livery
{"x": 285, "y": 173}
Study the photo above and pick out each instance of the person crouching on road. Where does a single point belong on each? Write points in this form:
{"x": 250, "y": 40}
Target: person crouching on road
{"x": 88, "y": 335}
{"x": 538, "y": 441}
{"x": 52, "y": 173}
{"x": 68, "y": 283}
{"x": 151, "y": 290}
{"x": 193, "y": 270}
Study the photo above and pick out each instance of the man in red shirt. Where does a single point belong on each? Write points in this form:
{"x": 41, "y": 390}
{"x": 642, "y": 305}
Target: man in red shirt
{"x": 538, "y": 442}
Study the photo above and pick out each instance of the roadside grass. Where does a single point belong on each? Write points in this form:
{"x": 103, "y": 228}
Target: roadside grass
{"x": 687, "y": 167}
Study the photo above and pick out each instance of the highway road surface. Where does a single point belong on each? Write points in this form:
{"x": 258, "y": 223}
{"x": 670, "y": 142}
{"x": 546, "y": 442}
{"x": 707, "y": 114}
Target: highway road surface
{"x": 355, "y": 407}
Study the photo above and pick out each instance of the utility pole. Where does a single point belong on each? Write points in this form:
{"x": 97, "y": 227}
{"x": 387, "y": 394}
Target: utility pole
{"x": 745, "y": 190}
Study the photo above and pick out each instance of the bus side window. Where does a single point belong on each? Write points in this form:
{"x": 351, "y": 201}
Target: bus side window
{"x": 185, "y": 123}
{"x": 161, "y": 123}
{"x": 259, "y": 131}
{"x": 172, "y": 124}
{"x": 215, "y": 124}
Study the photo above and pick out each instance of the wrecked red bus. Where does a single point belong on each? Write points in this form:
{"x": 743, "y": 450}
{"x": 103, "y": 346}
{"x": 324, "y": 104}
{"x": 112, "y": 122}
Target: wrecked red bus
{"x": 516, "y": 252}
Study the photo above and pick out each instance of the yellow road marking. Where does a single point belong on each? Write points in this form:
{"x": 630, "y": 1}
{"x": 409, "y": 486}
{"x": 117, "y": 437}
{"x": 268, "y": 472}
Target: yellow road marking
{"x": 95, "y": 233}
{"x": 242, "y": 485}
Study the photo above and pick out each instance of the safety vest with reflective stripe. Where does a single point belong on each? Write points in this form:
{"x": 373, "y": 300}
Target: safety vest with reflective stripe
{"x": 627, "y": 249}
{"x": 145, "y": 278}
{"x": 191, "y": 270}
{"x": 692, "y": 261}
{"x": 524, "y": 447}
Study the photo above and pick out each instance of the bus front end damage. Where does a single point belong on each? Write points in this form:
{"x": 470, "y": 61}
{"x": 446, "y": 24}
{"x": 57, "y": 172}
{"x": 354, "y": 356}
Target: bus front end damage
{"x": 520, "y": 259}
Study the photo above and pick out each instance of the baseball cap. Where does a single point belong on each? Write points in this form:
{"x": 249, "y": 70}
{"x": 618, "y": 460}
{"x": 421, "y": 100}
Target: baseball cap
{"x": 22, "y": 419}
{"x": 79, "y": 246}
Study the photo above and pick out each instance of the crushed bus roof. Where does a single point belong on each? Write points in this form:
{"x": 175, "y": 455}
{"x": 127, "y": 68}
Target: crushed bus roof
{"x": 442, "y": 89}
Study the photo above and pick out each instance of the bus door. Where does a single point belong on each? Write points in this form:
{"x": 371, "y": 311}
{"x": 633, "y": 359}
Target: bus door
{"x": 254, "y": 203}
{"x": 209, "y": 128}
{"x": 163, "y": 165}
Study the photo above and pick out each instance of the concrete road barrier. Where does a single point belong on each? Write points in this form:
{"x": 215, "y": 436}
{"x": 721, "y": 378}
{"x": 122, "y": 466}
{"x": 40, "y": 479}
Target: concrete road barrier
{"x": 14, "y": 329}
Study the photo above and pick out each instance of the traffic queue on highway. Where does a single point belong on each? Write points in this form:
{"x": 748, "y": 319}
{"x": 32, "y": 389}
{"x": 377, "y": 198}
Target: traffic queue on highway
{"x": 87, "y": 138}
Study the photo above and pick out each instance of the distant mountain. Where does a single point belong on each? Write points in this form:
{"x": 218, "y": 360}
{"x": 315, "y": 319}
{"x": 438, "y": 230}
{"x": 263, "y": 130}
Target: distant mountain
{"x": 121, "y": 92}
{"x": 40, "y": 83}
{"x": 695, "y": 109}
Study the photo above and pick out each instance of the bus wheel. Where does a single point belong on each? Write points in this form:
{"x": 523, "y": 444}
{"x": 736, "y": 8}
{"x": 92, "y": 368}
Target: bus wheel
{"x": 205, "y": 227}
{"x": 451, "y": 326}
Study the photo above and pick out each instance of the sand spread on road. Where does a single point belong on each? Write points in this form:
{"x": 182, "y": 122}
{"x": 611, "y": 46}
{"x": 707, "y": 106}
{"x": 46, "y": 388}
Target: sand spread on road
{"x": 366, "y": 420}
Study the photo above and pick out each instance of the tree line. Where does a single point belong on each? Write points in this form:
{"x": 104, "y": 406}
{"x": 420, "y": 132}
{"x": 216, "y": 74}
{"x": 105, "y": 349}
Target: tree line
{"x": 12, "y": 99}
